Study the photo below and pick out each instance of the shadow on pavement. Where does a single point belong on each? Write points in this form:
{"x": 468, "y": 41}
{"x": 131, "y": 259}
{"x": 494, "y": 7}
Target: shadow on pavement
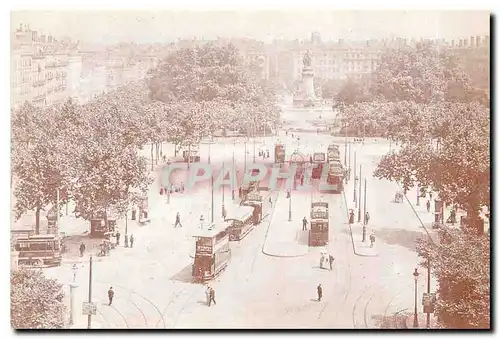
{"x": 399, "y": 237}
{"x": 185, "y": 275}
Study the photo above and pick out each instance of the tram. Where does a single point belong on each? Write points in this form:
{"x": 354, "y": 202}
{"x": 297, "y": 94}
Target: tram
{"x": 240, "y": 222}
{"x": 318, "y": 234}
{"x": 255, "y": 199}
{"x": 212, "y": 252}
{"x": 333, "y": 153}
{"x": 39, "y": 250}
{"x": 319, "y": 160}
{"x": 334, "y": 179}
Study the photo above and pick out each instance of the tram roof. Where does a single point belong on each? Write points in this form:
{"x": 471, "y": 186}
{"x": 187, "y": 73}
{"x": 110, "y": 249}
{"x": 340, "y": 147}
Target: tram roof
{"x": 239, "y": 212}
{"x": 210, "y": 230}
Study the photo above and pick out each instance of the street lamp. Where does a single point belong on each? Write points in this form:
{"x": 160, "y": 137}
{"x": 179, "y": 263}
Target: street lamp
{"x": 290, "y": 203}
{"x": 415, "y": 317}
{"x": 355, "y": 201}
{"x": 232, "y": 179}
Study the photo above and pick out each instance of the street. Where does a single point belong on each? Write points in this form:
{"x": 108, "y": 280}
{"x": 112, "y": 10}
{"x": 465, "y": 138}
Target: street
{"x": 272, "y": 276}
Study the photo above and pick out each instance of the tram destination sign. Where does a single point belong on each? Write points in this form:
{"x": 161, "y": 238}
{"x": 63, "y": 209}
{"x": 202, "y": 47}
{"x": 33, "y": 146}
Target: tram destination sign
{"x": 203, "y": 249}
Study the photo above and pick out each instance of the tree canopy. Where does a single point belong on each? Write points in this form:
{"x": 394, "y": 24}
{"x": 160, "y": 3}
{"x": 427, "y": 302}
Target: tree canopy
{"x": 35, "y": 301}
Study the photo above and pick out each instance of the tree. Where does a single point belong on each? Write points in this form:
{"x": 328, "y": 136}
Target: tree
{"x": 35, "y": 301}
{"x": 109, "y": 170}
{"x": 422, "y": 75}
{"x": 351, "y": 92}
{"x": 40, "y": 158}
{"x": 213, "y": 80}
{"x": 461, "y": 263}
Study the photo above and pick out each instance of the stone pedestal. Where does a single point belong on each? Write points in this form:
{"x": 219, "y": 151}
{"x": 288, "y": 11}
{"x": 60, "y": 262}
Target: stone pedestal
{"x": 307, "y": 97}
{"x": 14, "y": 260}
{"x": 73, "y": 304}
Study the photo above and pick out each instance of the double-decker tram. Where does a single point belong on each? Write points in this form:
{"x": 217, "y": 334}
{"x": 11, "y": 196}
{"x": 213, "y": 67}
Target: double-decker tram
{"x": 319, "y": 160}
{"x": 318, "y": 234}
{"x": 39, "y": 250}
{"x": 334, "y": 179}
{"x": 212, "y": 252}
{"x": 240, "y": 222}
{"x": 333, "y": 153}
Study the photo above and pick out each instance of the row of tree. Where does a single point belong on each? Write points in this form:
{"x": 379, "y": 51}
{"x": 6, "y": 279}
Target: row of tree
{"x": 424, "y": 101}
{"x": 89, "y": 152}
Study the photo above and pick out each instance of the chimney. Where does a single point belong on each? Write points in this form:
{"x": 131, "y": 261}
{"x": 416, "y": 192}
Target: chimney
{"x": 471, "y": 41}
{"x": 478, "y": 41}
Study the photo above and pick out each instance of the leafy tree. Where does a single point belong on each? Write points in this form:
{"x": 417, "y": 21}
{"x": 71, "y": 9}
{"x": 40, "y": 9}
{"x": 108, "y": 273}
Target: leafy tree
{"x": 461, "y": 263}
{"x": 35, "y": 301}
{"x": 39, "y": 158}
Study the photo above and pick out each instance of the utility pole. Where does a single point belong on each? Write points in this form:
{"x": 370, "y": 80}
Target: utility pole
{"x": 359, "y": 209}
{"x": 57, "y": 207}
{"x": 233, "y": 174}
{"x": 89, "y": 319}
{"x": 212, "y": 187}
{"x": 290, "y": 203}
{"x": 349, "y": 161}
{"x": 355, "y": 201}
{"x": 364, "y": 217}
{"x": 428, "y": 320}
{"x": 254, "y": 144}
{"x": 223, "y": 187}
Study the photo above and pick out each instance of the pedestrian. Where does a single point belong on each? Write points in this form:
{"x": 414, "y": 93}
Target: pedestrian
{"x": 310, "y": 159}
{"x": 320, "y": 292}
{"x": 82, "y": 249}
{"x": 207, "y": 295}
{"x": 428, "y": 205}
{"x": 224, "y": 213}
{"x": 302, "y": 179}
{"x": 182, "y": 187}
{"x": 177, "y": 220}
{"x": 372, "y": 239}
{"x": 126, "y": 240}
{"x": 202, "y": 220}
{"x": 118, "y": 238}
{"x": 271, "y": 201}
{"x": 430, "y": 195}
{"x": 131, "y": 240}
{"x": 351, "y": 217}
{"x": 212, "y": 297}
{"x": 367, "y": 217}
{"x": 111, "y": 295}
{"x": 330, "y": 261}
{"x": 239, "y": 192}
{"x": 304, "y": 224}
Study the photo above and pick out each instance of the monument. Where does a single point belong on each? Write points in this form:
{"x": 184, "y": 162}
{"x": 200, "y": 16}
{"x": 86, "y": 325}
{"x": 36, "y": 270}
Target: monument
{"x": 306, "y": 97}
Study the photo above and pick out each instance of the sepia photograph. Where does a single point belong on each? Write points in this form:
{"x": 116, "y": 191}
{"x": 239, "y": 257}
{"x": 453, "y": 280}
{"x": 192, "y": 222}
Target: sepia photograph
{"x": 250, "y": 169}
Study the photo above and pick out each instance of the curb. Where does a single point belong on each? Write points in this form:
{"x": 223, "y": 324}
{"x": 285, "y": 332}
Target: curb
{"x": 267, "y": 232}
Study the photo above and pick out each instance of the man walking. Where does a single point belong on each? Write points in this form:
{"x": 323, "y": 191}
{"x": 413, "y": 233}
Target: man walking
{"x": 117, "y": 238}
{"x": 304, "y": 224}
{"x": 111, "y": 295}
{"x": 212, "y": 297}
{"x": 177, "y": 220}
{"x": 330, "y": 261}
{"x": 82, "y": 249}
{"x": 428, "y": 205}
{"x": 271, "y": 201}
{"x": 372, "y": 239}
{"x": 131, "y": 240}
{"x": 320, "y": 292}
{"x": 351, "y": 217}
{"x": 367, "y": 217}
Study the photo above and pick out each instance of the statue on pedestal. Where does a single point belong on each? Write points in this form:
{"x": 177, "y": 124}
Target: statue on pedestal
{"x": 307, "y": 59}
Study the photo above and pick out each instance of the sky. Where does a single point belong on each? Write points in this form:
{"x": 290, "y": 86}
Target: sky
{"x": 165, "y": 26}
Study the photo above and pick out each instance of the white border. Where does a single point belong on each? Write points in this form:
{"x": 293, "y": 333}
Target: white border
{"x": 158, "y": 4}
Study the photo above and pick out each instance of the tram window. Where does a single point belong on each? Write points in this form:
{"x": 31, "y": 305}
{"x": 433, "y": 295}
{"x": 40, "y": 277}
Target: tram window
{"x": 56, "y": 245}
